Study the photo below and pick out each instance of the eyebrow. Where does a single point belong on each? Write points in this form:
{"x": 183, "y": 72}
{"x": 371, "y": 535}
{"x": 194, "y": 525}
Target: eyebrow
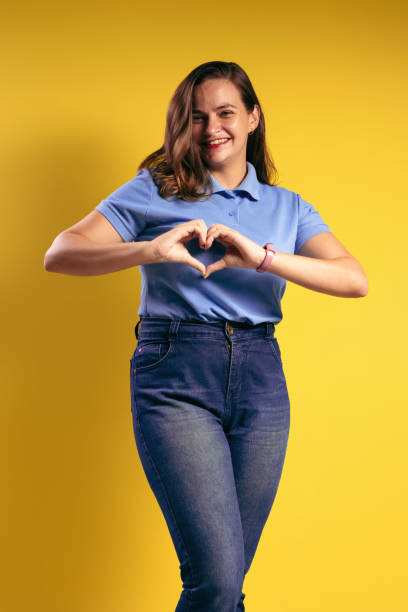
{"x": 225, "y": 105}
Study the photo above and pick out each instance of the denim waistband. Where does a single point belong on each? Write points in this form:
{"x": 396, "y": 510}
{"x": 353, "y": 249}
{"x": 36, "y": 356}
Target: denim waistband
{"x": 155, "y": 327}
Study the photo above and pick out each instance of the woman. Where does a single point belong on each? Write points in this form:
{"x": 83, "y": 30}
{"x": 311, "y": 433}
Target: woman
{"x": 216, "y": 240}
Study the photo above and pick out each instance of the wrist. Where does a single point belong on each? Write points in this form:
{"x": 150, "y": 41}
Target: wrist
{"x": 269, "y": 255}
{"x": 260, "y": 256}
{"x": 150, "y": 252}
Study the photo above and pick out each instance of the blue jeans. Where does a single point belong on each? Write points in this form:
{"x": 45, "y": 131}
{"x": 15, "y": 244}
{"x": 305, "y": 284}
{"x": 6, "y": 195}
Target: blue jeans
{"x": 210, "y": 411}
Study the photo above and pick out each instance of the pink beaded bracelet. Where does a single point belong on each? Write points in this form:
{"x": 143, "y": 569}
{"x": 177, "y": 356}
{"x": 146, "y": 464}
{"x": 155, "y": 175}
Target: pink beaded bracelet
{"x": 269, "y": 255}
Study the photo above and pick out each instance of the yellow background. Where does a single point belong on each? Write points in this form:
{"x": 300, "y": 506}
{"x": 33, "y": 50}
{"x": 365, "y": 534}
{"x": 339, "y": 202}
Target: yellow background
{"x": 84, "y": 96}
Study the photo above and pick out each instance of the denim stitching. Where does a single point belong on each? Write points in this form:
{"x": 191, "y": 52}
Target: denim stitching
{"x": 275, "y": 352}
{"x": 162, "y": 358}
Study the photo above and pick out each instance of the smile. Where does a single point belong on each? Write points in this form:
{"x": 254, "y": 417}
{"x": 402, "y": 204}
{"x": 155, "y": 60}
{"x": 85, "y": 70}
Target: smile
{"x": 216, "y": 143}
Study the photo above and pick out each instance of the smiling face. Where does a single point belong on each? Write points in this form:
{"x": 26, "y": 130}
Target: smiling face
{"x": 220, "y": 114}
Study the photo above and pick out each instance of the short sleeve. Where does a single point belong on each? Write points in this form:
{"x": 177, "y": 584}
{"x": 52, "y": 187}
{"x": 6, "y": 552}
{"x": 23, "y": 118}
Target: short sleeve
{"x": 310, "y": 223}
{"x": 126, "y": 207}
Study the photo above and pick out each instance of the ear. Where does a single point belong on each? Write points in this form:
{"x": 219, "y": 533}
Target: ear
{"x": 254, "y": 117}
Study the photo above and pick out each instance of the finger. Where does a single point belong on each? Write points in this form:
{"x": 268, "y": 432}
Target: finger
{"x": 191, "y": 228}
{"x": 214, "y": 267}
{"x": 212, "y": 233}
{"x": 202, "y": 232}
{"x": 195, "y": 263}
{"x": 196, "y": 227}
{"x": 203, "y": 236}
{"x": 224, "y": 235}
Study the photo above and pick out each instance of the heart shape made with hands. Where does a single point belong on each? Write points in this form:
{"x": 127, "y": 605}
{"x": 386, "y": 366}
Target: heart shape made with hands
{"x": 226, "y": 248}
{"x": 211, "y": 255}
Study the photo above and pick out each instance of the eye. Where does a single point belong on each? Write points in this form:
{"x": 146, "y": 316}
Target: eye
{"x": 199, "y": 117}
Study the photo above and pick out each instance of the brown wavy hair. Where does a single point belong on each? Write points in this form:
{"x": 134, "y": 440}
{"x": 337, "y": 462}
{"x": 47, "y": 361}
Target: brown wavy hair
{"x": 177, "y": 168}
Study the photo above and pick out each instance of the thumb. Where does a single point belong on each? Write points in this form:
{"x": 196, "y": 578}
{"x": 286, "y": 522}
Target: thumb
{"x": 214, "y": 267}
{"x": 195, "y": 263}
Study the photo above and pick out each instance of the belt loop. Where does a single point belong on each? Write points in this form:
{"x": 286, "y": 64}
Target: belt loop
{"x": 173, "y": 329}
{"x": 137, "y": 328}
{"x": 270, "y": 329}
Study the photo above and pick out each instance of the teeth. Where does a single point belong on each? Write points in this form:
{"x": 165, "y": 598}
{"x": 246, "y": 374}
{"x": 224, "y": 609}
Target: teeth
{"x": 218, "y": 141}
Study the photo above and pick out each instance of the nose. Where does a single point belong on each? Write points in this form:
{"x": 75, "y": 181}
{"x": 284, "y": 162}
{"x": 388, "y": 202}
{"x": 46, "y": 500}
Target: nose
{"x": 213, "y": 126}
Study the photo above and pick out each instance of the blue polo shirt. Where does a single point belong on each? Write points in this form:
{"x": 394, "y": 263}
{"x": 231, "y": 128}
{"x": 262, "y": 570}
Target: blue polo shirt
{"x": 263, "y": 213}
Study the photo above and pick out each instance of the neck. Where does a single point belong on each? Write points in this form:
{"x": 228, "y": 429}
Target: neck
{"x": 232, "y": 176}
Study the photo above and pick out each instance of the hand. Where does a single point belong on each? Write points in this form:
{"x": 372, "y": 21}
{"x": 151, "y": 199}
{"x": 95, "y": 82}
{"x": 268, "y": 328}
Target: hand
{"x": 170, "y": 246}
{"x": 241, "y": 251}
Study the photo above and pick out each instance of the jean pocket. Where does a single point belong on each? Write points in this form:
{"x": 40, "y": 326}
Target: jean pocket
{"x": 275, "y": 348}
{"x": 151, "y": 353}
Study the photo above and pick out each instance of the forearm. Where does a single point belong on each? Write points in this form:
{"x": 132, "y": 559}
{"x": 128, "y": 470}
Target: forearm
{"x": 74, "y": 254}
{"x": 342, "y": 276}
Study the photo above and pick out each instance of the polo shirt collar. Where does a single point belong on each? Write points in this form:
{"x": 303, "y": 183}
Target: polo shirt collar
{"x": 250, "y": 184}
